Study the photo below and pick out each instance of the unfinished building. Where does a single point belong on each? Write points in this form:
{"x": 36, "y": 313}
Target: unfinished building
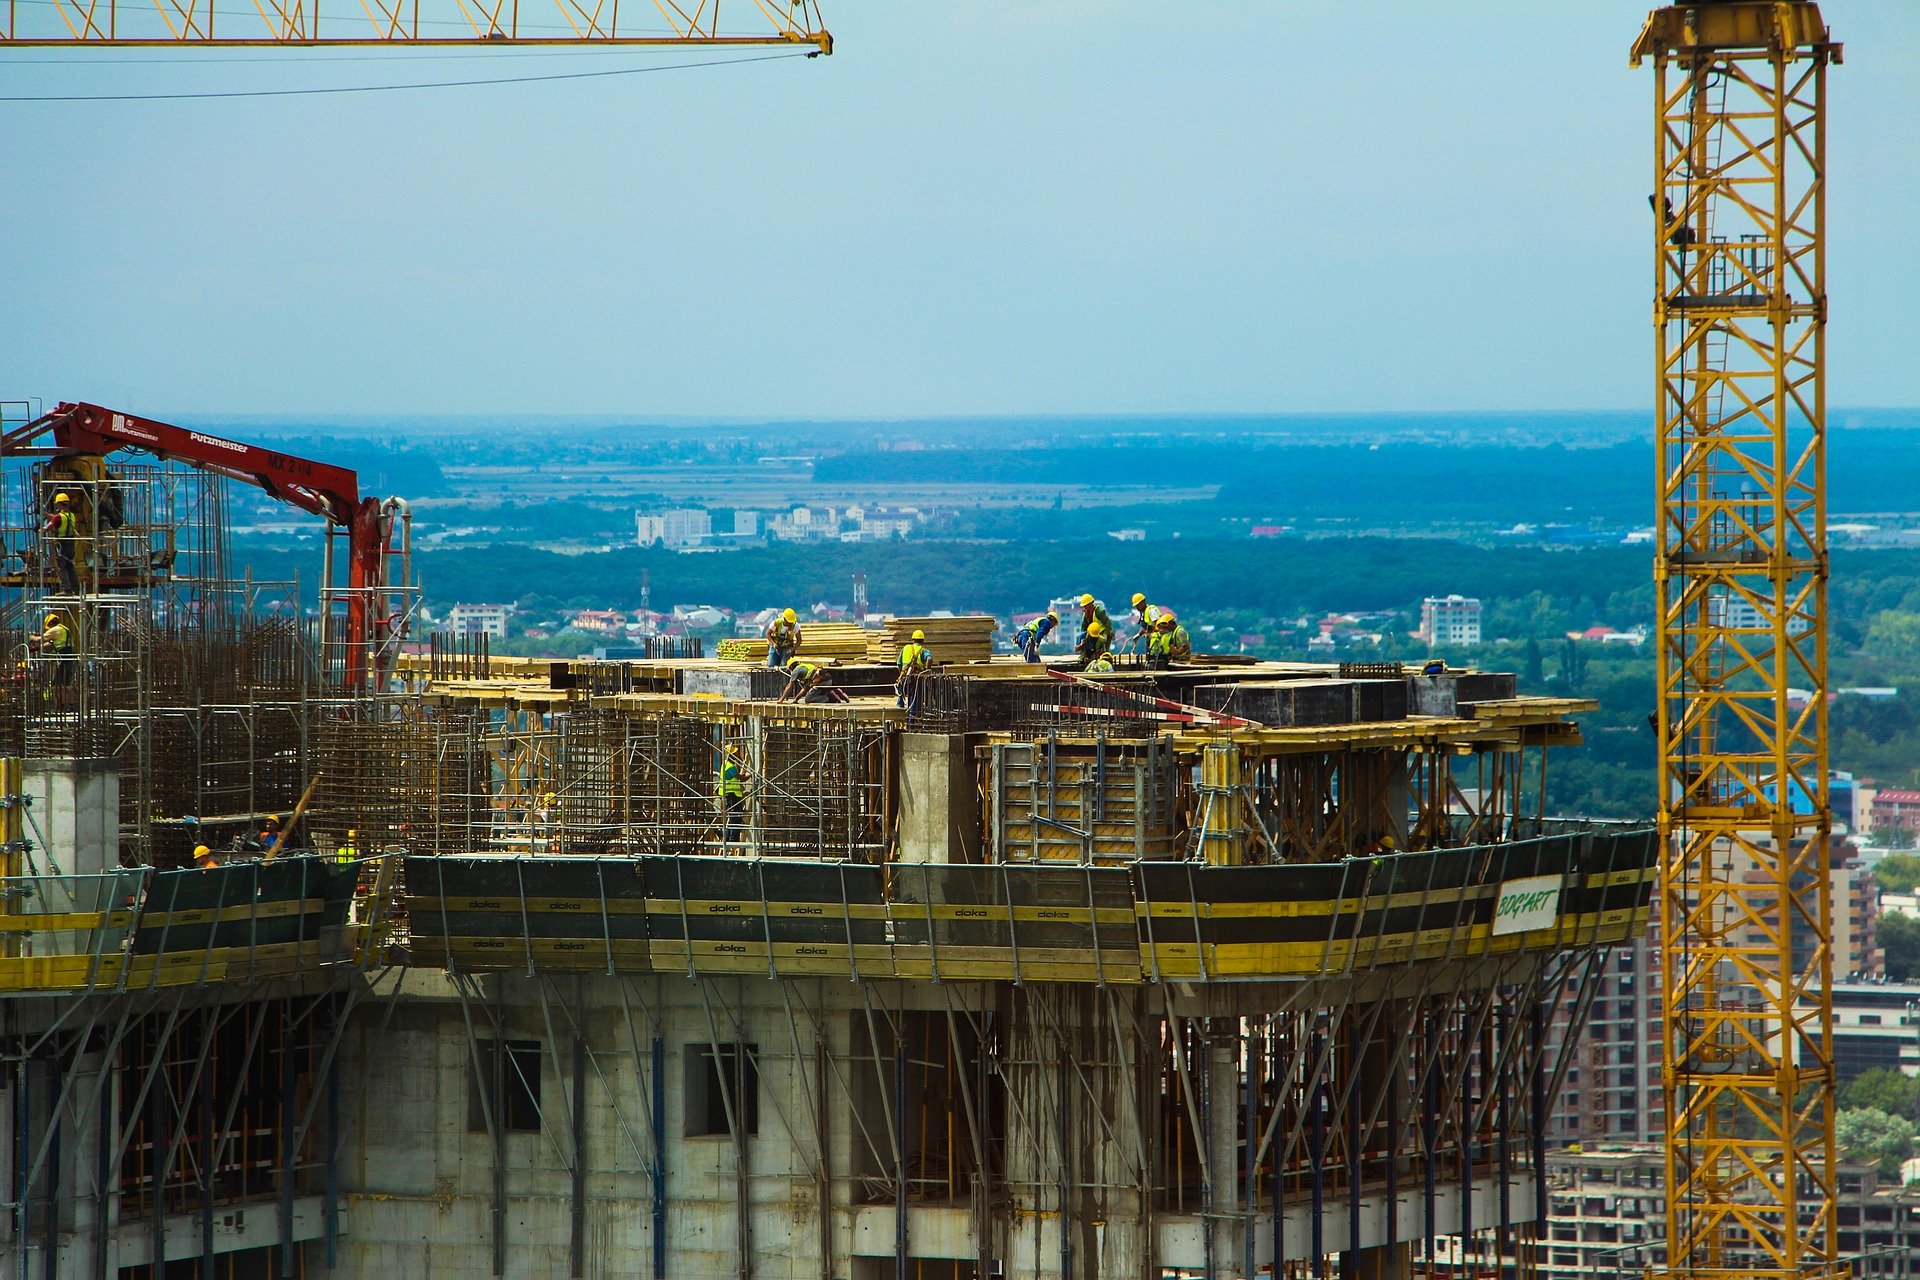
{"x": 1235, "y": 969}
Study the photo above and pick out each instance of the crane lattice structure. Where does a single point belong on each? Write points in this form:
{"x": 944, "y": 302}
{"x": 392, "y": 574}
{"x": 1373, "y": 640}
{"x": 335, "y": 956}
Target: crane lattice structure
{"x": 1741, "y": 575}
{"x": 248, "y": 23}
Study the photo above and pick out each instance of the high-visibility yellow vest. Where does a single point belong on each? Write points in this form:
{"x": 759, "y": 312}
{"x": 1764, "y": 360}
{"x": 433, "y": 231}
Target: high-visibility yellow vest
{"x": 915, "y": 656}
{"x": 729, "y": 783}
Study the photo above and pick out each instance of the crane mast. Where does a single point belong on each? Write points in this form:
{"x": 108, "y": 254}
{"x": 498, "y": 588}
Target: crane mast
{"x": 1741, "y": 592}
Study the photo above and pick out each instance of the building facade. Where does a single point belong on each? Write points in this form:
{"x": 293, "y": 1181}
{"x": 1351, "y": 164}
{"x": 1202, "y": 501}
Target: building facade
{"x": 479, "y": 620}
{"x": 1450, "y": 619}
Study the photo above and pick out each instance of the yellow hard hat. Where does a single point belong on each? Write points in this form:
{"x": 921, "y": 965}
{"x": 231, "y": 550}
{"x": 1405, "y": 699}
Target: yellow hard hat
{"x": 275, "y": 819}
{"x": 790, "y": 615}
{"x": 52, "y": 618}
{"x": 919, "y": 635}
{"x": 201, "y": 851}
{"x": 1139, "y": 598}
{"x": 1095, "y": 629}
{"x": 59, "y": 498}
{"x": 793, "y": 662}
{"x": 1166, "y": 621}
{"x": 1053, "y": 615}
{"x": 1086, "y": 599}
{"x": 351, "y": 833}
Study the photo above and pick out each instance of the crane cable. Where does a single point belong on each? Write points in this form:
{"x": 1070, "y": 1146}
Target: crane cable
{"x": 398, "y": 88}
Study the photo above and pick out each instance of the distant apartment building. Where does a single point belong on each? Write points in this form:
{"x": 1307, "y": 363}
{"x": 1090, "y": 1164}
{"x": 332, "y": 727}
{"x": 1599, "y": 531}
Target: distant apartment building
{"x": 1607, "y": 1218}
{"x": 1876, "y": 1025}
{"x": 805, "y": 524}
{"x": 1611, "y": 1089}
{"x": 1450, "y": 619}
{"x": 746, "y": 524}
{"x": 1896, "y": 808}
{"x": 479, "y": 620}
{"x": 1740, "y": 614}
{"x": 684, "y": 527}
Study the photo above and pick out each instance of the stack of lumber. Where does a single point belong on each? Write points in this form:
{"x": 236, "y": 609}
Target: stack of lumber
{"x": 951, "y": 639}
{"x": 823, "y": 641}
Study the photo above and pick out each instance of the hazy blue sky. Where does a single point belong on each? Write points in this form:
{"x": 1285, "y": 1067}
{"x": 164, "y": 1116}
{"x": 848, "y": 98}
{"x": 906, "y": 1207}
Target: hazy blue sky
{"x": 979, "y": 207}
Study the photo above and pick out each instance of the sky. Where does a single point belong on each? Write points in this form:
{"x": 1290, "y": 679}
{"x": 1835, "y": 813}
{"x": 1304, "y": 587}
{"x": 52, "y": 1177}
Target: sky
{"x": 972, "y": 207}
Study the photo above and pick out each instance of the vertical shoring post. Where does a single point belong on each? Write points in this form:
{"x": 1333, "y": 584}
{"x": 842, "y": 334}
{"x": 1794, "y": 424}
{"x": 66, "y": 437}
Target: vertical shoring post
{"x": 577, "y": 1238}
{"x": 1276, "y": 1148}
{"x": 1063, "y": 1083}
{"x": 1467, "y": 1083}
{"x": 22, "y": 1172}
{"x": 289, "y": 1137}
{"x": 899, "y": 1150}
{"x": 497, "y": 1091}
{"x": 1537, "y": 1122}
{"x": 823, "y": 1138}
{"x": 1317, "y": 1118}
{"x": 1350, "y": 1099}
{"x": 106, "y": 1126}
{"x": 659, "y": 1084}
{"x": 331, "y": 1209}
{"x": 157, "y": 1142}
{"x": 1396, "y": 1076}
{"x": 50, "y": 1239}
{"x": 1430, "y": 1123}
{"x": 1503, "y": 1089}
{"x": 1250, "y": 1136}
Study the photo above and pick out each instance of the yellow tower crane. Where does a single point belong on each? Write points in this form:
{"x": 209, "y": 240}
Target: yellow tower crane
{"x": 1745, "y": 901}
{"x": 245, "y": 23}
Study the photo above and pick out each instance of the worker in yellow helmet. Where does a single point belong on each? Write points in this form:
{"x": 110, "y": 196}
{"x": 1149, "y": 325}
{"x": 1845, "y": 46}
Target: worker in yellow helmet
{"x": 1170, "y": 642}
{"x": 54, "y": 644}
{"x": 205, "y": 858}
{"x": 1029, "y": 638}
{"x": 802, "y": 679}
{"x": 1144, "y": 616}
{"x": 61, "y": 531}
{"x": 730, "y": 791}
{"x": 1096, "y": 629}
{"x": 783, "y": 638}
{"x": 348, "y": 850}
{"x": 915, "y": 661}
{"x": 1100, "y": 664}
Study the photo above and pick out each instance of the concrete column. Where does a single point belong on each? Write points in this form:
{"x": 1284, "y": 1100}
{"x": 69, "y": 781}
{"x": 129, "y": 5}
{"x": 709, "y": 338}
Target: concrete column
{"x": 1118, "y": 1168}
{"x": 939, "y": 804}
{"x": 1225, "y": 1229}
{"x": 76, "y": 804}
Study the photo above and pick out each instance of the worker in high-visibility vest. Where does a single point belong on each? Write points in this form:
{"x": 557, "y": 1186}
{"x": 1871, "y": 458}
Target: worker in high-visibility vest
{"x": 1096, "y": 629}
{"x": 915, "y": 661}
{"x": 802, "y": 679}
{"x": 730, "y": 792}
{"x": 1170, "y": 642}
{"x": 348, "y": 849}
{"x": 55, "y": 645}
{"x": 61, "y": 531}
{"x": 783, "y": 638}
{"x": 1144, "y": 617}
{"x": 1102, "y": 663}
{"x": 1029, "y": 638}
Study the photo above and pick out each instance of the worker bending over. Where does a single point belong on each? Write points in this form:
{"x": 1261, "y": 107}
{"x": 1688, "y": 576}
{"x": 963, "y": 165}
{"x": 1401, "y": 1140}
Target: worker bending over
{"x": 783, "y": 638}
{"x": 1029, "y": 638}
{"x": 1096, "y": 630}
{"x": 802, "y": 679}
{"x": 915, "y": 661}
{"x": 1170, "y": 642}
{"x": 1144, "y": 617}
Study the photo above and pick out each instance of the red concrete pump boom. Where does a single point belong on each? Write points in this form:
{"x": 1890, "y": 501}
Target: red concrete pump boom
{"x": 317, "y": 487}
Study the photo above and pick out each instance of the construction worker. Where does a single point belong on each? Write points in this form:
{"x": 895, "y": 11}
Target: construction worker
{"x": 205, "y": 858}
{"x": 348, "y": 850}
{"x": 1029, "y": 638}
{"x": 61, "y": 529}
{"x": 802, "y": 679}
{"x": 915, "y": 661}
{"x": 730, "y": 792}
{"x": 1144, "y": 617}
{"x": 783, "y": 638}
{"x": 1096, "y": 630}
{"x": 1170, "y": 642}
{"x": 1103, "y": 662}
{"x": 265, "y": 837}
{"x": 55, "y": 645}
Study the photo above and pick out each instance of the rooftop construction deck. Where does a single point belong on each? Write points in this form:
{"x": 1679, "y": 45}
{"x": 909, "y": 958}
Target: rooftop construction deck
{"x": 1155, "y": 973}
